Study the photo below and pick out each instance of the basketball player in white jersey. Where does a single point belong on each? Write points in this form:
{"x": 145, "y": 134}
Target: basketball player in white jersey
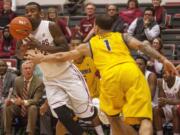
{"x": 150, "y": 76}
{"x": 169, "y": 99}
{"x": 65, "y": 86}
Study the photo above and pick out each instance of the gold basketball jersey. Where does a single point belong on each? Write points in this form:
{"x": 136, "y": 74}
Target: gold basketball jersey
{"x": 89, "y": 70}
{"x": 109, "y": 50}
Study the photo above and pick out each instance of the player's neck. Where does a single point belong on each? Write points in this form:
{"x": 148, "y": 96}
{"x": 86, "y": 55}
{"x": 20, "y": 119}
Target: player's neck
{"x": 171, "y": 82}
{"x": 103, "y": 32}
{"x": 36, "y": 24}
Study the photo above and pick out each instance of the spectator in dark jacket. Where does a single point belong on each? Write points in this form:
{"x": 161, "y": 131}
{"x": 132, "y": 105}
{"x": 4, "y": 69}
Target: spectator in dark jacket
{"x": 145, "y": 28}
{"x": 119, "y": 24}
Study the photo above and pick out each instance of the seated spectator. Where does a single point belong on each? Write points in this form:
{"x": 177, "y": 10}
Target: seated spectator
{"x": 157, "y": 44}
{"x": 145, "y": 28}
{"x": 53, "y": 16}
{"x": 169, "y": 98}
{"x": 7, "y": 78}
{"x": 119, "y": 25}
{"x": 89, "y": 71}
{"x": 150, "y": 76}
{"x": 6, "y": 15}
{"x": 154, "y": 64}
{"x": 43, "y": 14}
{"x": 160, "y": 13}
{"x": 24, "y": 100}
{"x": 1, "y": 5}
{"x": 7, "y": 44}
{"x": 87, "y": 23}
{"x": 131, "y": 12}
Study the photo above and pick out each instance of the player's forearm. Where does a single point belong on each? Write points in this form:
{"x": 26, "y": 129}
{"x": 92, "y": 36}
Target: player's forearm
{"x": 62, "y": 56}
{"x": 148, "y": 50}
{"x": 53, "y": 49}
{"x": 173, "y": 101}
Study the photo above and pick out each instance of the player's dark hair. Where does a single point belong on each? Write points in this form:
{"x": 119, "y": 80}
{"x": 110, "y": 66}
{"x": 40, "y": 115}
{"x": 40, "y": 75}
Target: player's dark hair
{"x": 142, "y": 57}
{"x": 105, "y": 22}
{"x": 34, "y": 3}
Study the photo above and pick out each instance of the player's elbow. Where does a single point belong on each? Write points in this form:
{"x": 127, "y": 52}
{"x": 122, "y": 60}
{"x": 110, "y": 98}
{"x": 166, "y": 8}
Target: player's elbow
{"x": 144, "y": 44}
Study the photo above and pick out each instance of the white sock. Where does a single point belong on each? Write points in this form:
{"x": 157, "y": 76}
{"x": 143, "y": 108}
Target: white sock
{"x": 160, "y": 132}
{"x": 99, "y": 130}
{"x": 176, "y": 134}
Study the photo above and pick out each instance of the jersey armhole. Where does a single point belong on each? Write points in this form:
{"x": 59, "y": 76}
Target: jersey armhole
{"x": 122, "y": 35}
{"x": 89, "y": 46}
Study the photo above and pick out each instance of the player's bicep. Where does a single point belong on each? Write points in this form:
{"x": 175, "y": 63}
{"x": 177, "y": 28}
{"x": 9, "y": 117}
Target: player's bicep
{"x": 131, "y": 42}
{"x": 59, "y": 38}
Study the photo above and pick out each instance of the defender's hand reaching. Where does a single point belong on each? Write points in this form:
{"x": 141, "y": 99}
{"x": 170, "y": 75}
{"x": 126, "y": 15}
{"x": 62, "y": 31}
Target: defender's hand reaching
{"x": 170, "y": 68}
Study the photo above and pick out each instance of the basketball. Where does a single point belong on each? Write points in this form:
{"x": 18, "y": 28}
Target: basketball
{"x": 20, "y": 27}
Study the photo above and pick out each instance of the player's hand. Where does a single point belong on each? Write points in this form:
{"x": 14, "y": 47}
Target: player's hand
{"x": 43, "y": 109}
{"x": 35, "y": 56}
{"x": 146, "y": 23}
{"x": 169, "y": 68}
{"x": 162, "y": 101}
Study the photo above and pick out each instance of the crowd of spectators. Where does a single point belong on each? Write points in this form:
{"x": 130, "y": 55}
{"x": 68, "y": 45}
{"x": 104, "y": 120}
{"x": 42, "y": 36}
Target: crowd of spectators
{"x": 145, "y": 25}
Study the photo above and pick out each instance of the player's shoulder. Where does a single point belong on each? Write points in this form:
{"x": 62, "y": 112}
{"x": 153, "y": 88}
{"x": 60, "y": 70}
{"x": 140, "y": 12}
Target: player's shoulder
{"x": 116, "y": 35}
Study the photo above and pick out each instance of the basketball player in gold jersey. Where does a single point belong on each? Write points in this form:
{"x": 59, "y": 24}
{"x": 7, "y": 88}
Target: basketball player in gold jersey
{"x": 88, "y": 69}
{"x": 125, "y": 95}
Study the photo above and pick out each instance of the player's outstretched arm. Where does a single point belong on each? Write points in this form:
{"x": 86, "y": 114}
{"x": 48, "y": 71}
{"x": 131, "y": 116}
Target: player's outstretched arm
{"x": 146, "y": 48}
{"x": 81, "y": 50}
{"x": 38, "y": 57}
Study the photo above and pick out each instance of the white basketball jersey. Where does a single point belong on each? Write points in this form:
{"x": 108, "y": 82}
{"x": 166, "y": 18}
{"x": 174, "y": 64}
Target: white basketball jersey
{"x": 173, "y": 91}
{"x": 147, "y": 73}
{"x": 49, "y": 69}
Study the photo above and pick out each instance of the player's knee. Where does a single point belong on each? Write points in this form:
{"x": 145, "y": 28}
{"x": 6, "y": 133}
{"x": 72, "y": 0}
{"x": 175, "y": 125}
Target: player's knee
{"x": 91, "y": 118}
{"x": 146, "y": 127}
{"x": 64, "y": 113}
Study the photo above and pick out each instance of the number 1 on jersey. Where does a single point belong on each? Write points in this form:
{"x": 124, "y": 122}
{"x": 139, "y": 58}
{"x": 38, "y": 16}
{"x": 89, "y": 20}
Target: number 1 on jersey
{"x": 107, "y": 45}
